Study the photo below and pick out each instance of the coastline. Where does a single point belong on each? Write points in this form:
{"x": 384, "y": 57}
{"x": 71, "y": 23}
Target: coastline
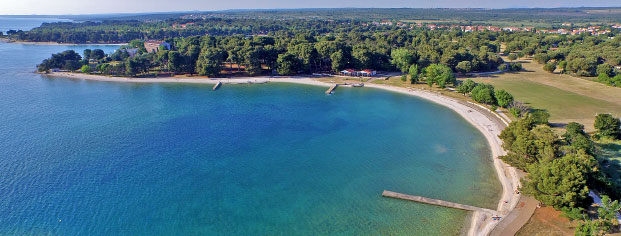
{"x": 487, "y": 122}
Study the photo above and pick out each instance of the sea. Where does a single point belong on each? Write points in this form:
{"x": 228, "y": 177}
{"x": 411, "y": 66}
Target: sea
{"x": 102, "y": 158}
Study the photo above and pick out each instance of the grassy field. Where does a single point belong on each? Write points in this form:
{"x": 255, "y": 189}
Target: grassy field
{"x": 565, "y": 97}
{"x": 609, "y": 155}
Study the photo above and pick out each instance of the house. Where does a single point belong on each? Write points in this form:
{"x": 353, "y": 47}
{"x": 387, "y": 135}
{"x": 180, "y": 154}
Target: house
{"x": 154, "y": 46}
{"x": 349, "y": 72}
{"x": 367, "y": 73}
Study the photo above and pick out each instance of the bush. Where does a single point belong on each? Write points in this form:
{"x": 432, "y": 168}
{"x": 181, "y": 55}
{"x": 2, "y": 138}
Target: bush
{"x": 549, "y": 67}
{"x": 515, "y": 112}
{"x": 542, "y": 58}
{"x": 605, "y": 69}
{"x": 516, "y": 67}
{"x": 503, "y": 98}
{"x": 607, "y": 125}
{"x": 540, "y": 116}
{"x": 483, "y": 93}
{"x": 86, "y": 69}
{"x": 466, "y": 86}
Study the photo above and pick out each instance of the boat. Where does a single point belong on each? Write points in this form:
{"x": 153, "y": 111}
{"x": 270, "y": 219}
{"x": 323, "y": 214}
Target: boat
{"x": 358, "y": 85}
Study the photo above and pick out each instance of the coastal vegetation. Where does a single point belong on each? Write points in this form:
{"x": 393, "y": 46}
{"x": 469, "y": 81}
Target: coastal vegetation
{"x": 434, "y": 53}
{"x": 579, "y": 55}
{"x": 562, "y": 170}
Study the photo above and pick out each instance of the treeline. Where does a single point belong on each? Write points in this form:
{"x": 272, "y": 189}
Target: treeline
{"x": 290, "y": 53}
{"x": 520, "y": 16}
{"x": 580, "y": 55}
{"x": 127, "y": 30}
{"x": 563, "y": 169}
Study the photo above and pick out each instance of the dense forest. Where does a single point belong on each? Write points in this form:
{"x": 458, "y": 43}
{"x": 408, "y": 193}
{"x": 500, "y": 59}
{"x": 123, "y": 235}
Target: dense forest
{"x": 520, "y": 15}
{"x": 290, "y": 53}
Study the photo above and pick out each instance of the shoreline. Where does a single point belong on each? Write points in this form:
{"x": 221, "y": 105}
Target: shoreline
{"x": 487, "y": 122}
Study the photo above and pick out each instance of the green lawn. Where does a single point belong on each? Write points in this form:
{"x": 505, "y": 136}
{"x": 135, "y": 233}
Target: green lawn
{"x": 609, "y": 153}
{"x": 564, "y": 106}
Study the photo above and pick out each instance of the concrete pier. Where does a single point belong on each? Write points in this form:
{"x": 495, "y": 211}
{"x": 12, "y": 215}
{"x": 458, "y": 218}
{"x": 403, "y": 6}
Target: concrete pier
{"x": 437, "y": 202}
{"x": 331, "y": 89}
{"x": 217, "y": 86}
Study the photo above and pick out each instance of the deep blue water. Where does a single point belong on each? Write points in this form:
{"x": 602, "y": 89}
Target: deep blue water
{"x": 100, "y": 158}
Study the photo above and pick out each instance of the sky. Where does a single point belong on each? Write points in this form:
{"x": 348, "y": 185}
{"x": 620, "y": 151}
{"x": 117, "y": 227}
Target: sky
{"x": 60, "y": 7}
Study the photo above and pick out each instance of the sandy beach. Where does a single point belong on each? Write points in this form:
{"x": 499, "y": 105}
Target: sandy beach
{"x": 487, "y": 122}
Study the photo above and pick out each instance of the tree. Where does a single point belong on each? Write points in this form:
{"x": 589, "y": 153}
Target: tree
{"x": 402, "y": 58}
{"x": 87, "y": 54}
{"x": 561, "y": 182}
{"x": 542, "y": 58}
{"x": 464, "y": 67}
{"x": 607, "y": 125}
{"x": 562, "y": 65}
{"x": 338, "y": 61}
{"x": 516, "y": 67}
{"x": 512, "y": 57}
{"x": 86, "y": 69}
{"x": 97, "y": 54}
{"x": 483, "y": 93}
{"x": 540, "y": 117}
{"x": 589, "y": 228}
{"x": 527, "y": 143}
{"x": 549, "y": 67}
{"x": 288, "y": 64}
{"x": 466, "y": 86}
{"x": 503, "y": 98}
{"x": 502, "y": 67}
{"x": 605, "y": 69}
{"x": 210, "y": 61}
{"x": 413, "y": 74}
{"x": 578, "y": 139}
{"x": 608, "y": 211}
{"x": 439, "y": 74}
{"x": 175, "y": 61}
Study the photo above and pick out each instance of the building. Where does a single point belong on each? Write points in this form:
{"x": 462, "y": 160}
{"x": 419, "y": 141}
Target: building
{"x": 367, "y": 73}
{"x": 349, "y": 72}
{"x": 154, "y": 46}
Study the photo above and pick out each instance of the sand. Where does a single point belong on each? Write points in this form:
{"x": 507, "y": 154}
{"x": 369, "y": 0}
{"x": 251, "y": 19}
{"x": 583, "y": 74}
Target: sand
{"x": 487, "y": 122}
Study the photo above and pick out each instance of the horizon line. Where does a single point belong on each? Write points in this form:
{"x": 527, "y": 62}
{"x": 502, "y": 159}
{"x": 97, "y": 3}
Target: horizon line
{"x": 314, "y": 8}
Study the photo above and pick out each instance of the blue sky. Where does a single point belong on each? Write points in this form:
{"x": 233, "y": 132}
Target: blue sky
{"x": 17, "y": 7}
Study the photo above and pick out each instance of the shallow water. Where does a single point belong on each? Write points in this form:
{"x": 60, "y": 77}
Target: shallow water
{"x": 99, "y": 158}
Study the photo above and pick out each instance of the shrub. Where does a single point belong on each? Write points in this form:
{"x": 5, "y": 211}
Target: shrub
{"x": 549, "y": 67}
{"x": 607, "y": 125}
{"x": 502, "y": 67}
{"x": 483, "y": 93}
{"x": 540, "y": 116}
{"x": 503, "y": 98}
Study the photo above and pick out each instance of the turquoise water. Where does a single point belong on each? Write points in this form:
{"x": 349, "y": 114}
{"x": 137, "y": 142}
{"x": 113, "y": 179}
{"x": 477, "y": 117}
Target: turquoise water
{"x": 99, "y": 158}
